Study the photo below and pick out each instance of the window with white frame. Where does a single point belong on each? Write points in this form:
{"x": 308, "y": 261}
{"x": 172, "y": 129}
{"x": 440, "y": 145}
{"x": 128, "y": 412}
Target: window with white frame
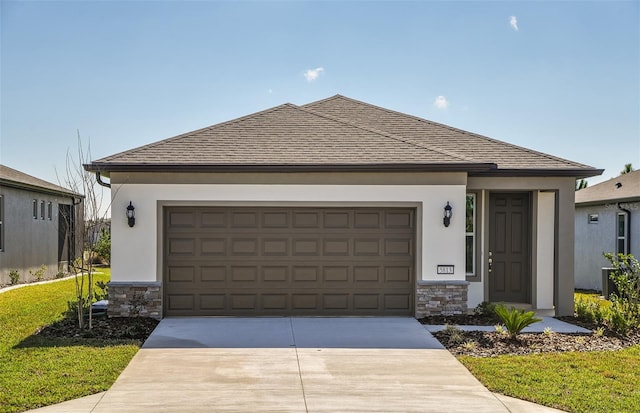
{"x": 621, "y": 233}
{"x": 41, "y": 209}
{"x": 470, "y": 230}
{"x": 593, "y": 218}
{"x": 50, "y": 210}
{"x": 35, "y": 209}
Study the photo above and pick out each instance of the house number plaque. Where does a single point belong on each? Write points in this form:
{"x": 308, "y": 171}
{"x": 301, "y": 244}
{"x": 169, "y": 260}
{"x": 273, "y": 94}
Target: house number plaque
{"x": 445, "y": 269}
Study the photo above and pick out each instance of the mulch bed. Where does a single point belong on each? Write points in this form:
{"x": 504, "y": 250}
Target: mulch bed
{"x": 102, "y": 329}
{"x": 490, "y": 344}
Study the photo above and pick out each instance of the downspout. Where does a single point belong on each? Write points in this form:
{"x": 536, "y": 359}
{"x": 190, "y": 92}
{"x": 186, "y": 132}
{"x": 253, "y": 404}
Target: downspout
{"x": 100, "y": 181}
{"x": 628, "y": 229}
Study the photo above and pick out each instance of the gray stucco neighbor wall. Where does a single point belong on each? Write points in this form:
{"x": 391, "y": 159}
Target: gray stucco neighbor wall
{"x": 593, "y": 239}
{"x": 29, "y": 243}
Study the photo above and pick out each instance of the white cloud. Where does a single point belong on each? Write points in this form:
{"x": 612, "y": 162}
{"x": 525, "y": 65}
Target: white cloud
{"x": 312, "y": 74}
{"x": 441, "y": 102}
{"x": 513, "y": 22}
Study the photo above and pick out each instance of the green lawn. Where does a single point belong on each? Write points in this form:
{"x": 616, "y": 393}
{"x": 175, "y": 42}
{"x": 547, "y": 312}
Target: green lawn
{"x": 576, "y": 382}
{"x": 38, "y": 371}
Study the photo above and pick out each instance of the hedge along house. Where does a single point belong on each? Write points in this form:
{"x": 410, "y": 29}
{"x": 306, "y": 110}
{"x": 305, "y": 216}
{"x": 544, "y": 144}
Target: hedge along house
{"x": 338, "y": 207}
{"x": 41, "y": 224}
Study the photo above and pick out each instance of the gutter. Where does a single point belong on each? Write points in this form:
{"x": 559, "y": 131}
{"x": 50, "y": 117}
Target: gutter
{"x": 100, "y": 181}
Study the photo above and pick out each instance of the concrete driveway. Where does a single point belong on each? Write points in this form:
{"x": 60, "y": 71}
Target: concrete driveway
{"x": 297, "y": 365}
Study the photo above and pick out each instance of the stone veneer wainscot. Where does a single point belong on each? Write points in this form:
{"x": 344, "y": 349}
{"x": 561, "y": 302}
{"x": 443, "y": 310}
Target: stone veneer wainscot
{"x": 123, "y": 294}
{"x": 441, "y": 298}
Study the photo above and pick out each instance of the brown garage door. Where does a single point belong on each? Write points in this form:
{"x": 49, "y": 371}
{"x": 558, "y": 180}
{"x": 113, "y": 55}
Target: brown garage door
{"x": 288, "y": 261}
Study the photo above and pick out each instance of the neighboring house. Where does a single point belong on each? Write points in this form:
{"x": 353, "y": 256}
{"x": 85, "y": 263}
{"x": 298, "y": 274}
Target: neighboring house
{"x": 607, "y": 220}
{"x": 338, "y": 207}
{"x": 39, "y": 225}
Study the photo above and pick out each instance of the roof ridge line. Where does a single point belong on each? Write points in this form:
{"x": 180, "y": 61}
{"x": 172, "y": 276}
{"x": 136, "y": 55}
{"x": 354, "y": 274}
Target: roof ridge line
{"x": 442, "y": 125}
{"x": 386, "y": 134}
{"x": 206, "y": 128}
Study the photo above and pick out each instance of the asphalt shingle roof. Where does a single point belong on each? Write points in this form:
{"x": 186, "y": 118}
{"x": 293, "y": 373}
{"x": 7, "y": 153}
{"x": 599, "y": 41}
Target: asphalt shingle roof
{"x": 15, "y": 178}
{"x": 335, "y": 133}
{"x": 625, "y": 187}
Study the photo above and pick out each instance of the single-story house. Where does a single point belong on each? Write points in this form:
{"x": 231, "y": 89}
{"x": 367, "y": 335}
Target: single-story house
{"x": 338, "y": 207}
{"x": 607, "y": 220}
{"x": 40, "y": 226}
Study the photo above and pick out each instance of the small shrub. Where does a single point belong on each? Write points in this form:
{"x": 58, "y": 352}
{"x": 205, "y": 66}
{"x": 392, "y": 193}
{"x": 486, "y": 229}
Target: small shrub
{"x": 486, "y": 309}
{"x": 619, "y": 320}
{"x": 60, "y": 274}
{"x": 548, "y": 331}
{"x": 14, "y": 277}
{"x": 470, "y": 345}
{"x": 598, "y": 332}
{"x": 103, "y": 246}
{"x": 625, "y": 307}
{"x": 515, "y": 320}
{"x": 101, "y": 292}
{"x": 39, "y": 272}
{"x": 500, "y": 329}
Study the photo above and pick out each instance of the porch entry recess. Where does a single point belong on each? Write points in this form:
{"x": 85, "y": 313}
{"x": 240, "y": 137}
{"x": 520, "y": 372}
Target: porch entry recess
{"x": 289, "y": 261}
{"x": 510, "y": 247}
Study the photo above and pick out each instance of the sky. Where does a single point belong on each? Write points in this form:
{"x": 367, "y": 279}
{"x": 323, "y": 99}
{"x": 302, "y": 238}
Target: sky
{"x": 557, "y": 77}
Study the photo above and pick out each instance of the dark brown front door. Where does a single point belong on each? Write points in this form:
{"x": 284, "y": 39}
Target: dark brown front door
{"x": 509, "y": 248}
{"x": 289, "y": 261}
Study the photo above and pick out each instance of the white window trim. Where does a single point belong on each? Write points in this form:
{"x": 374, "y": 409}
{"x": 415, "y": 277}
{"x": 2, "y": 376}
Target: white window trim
{"x": 623, "y": 237}
{"x": 472, "y": 234}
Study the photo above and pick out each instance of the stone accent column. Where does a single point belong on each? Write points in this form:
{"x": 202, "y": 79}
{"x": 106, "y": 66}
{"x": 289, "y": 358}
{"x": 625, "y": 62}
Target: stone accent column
{"x": 441, "y": 297}
{"x": 135, "y": 299}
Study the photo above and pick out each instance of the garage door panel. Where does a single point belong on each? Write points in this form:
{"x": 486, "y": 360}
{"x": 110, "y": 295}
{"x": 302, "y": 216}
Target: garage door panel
{"x": 213, "y": 246}
{"x": 212, "y": 302}
{"x": 288, "y": 261}
{"x": 181, "y": 274}
{"x": 306, "y": 219}
{"x": 336, "y": 246}
{"x": 216, "y": 274}
{"x": 306, "y": 246}
{"x": 275, "y": 219}
{"x": 368, "y": 219}
{"x": 275, "y": 246}
{"x": 337, "y": 219}
{"x": 181, "y": 246}
{"x": 399, "y": 219}
{"x": 213, "y": 219}
{"x": 335, "y": 275}
{"x": 274, "y": 274}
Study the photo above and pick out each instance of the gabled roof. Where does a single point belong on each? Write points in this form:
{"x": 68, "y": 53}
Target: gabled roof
{"x": 16, "y": 179}
{"x": 623, "y": 188}
{"x": 337, "y": 134}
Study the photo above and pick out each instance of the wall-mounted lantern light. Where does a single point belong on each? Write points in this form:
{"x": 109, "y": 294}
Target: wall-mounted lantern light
{"x": 131, "y": 215}
{"x": 447, "y": 214}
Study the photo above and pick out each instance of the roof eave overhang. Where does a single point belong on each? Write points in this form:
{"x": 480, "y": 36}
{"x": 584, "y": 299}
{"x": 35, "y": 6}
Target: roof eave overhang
{"x": 574, "y": 173}
{"x": 444, "y": 167}
{"x": 40, "y": 189}
{"x": 594, "y": 202}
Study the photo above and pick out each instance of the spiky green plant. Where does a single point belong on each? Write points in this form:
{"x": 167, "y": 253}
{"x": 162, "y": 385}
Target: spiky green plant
{"x": 515, "y": 320}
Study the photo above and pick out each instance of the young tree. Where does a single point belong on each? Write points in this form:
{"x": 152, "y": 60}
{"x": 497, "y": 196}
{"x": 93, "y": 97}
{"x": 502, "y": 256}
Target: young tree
{"x": 627, "y": 168}
{"x": 581, "y": 184}
{"x": 83, "y": 182}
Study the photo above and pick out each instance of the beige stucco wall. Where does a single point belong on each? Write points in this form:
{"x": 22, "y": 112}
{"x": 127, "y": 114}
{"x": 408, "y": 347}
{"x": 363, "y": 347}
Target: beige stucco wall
{"x": 137, "y": 252}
